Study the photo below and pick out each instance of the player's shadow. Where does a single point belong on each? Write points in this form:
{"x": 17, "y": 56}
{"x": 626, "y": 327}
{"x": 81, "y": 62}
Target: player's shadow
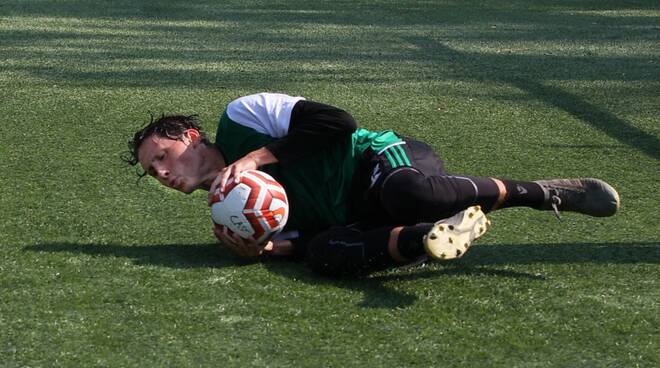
{"x": 376, "y": 288}
{"x": 165, "y": 255}
{"x": 483, "y": 261}
{"x": 383, "y": 290}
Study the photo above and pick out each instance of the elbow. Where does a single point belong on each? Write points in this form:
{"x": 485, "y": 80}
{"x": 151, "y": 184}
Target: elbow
{"x": 349, "y": 124}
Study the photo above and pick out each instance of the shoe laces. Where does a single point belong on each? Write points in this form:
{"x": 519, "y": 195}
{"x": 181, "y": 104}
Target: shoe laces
{"x": 555, "y": 202}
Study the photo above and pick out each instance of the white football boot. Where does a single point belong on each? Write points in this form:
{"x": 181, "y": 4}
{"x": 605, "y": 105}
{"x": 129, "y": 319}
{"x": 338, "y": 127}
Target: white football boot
{"x": 452, "y": 237}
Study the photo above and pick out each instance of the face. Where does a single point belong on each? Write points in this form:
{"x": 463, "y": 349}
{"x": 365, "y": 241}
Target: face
{"x": 178, "y": 164}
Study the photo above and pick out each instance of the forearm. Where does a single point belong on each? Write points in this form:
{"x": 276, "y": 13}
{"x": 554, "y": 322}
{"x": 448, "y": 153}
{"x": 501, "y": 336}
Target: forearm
{"x": 262, "y": 156}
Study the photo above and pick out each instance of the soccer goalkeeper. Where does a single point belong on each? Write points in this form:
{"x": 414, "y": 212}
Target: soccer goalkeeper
{"x": 360, "y": 201}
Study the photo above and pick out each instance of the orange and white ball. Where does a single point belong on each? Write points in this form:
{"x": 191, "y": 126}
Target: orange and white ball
{"x": 254, "y": 208}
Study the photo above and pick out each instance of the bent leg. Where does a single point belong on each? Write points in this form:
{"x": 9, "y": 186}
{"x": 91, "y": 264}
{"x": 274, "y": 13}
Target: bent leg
{"x": 349, "y": 251}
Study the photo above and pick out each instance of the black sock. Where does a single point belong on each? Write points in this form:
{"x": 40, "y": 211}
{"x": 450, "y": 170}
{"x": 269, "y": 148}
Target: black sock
{"x": 522, "y": 193}
{"x": 517, "y": 193}
{"x": 410, "y": 240}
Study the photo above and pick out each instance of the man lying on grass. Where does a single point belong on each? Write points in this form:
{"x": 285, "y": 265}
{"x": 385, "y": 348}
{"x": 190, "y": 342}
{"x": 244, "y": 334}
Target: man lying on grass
{"x": 360, "y": 201}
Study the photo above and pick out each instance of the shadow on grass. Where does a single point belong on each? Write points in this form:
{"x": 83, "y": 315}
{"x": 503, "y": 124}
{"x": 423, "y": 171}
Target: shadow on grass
{"x": 482, "y": 261}
{"x": 489, "y": 67}
{"x": 561, "y": 13}
{"x": 597, "y": 117}
{"x": 165, "y": 255}
{"x": 256, "y": 44}
{"x": 377, "y": 292}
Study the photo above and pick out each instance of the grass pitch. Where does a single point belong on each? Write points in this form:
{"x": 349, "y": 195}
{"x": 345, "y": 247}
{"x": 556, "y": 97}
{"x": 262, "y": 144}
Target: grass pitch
{"x": 98, "y": 271}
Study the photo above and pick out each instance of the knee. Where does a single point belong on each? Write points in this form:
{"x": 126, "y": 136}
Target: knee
{"x": 331, "y": 253}
{"x": 403, "y": 195}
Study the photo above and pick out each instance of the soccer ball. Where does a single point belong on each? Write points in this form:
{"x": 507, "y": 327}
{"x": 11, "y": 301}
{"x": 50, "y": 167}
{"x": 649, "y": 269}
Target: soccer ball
{"x": 254, "y": 208}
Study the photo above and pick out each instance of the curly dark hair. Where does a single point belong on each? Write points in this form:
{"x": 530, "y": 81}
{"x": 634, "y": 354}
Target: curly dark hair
{"x": 168, "y": 126}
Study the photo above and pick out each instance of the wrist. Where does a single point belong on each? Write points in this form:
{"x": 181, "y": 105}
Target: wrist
{"x": 279, "y": 248}
{"x": 268, "y": 248}
{"x": 262, "y": 157}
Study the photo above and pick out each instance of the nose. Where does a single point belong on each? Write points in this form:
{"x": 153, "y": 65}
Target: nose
{"x": 163, "y": 173}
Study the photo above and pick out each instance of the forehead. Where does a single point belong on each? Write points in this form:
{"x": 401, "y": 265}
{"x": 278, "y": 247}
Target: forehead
{"x": 150, "y": 147}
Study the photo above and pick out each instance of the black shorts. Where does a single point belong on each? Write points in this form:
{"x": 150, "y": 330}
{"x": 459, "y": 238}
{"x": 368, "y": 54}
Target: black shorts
{"x": 409, "y": 154}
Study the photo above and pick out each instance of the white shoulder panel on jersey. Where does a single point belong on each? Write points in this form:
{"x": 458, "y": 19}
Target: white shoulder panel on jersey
{"x": 267, "y": 113}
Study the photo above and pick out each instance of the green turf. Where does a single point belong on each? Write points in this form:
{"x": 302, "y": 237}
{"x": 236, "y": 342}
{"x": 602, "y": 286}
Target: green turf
{"x": 98, "y": 271}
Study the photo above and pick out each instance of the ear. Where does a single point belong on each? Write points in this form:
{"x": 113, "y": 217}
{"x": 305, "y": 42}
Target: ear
{"x": 193, "y": 135}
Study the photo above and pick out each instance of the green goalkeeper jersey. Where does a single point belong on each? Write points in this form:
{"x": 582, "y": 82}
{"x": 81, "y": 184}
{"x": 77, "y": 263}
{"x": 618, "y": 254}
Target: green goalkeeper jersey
{"x": 323, "y": 187}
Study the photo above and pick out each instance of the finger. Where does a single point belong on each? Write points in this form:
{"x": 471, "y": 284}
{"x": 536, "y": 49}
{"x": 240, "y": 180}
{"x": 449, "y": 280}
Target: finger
{"x": 233, "y": 173}
{"x": 238, "y": 240}
{"x": 220, "y": 179}
{"x": 222, "y": 236}
{"x": 249, "y": 248}
{"x": 234, "y": 248}
{"x": 217, "y": 231}
{"x": 253, "y": 243}
{"x": 243, "y": 249}
{"x": 214, "y": 184}
{"x": 226, "y": 173}
{"x": 214, "y": 188}
{"x": 237, "y": 174}
{"x": 256, "y": 249}
{"x": 229, "y": 241}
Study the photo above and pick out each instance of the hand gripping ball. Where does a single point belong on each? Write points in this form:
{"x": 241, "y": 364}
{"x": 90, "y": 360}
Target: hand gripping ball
{"x": 254, "y": 208}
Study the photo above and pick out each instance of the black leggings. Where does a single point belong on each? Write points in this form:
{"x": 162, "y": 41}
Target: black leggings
{"x": 407, "y": 195}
